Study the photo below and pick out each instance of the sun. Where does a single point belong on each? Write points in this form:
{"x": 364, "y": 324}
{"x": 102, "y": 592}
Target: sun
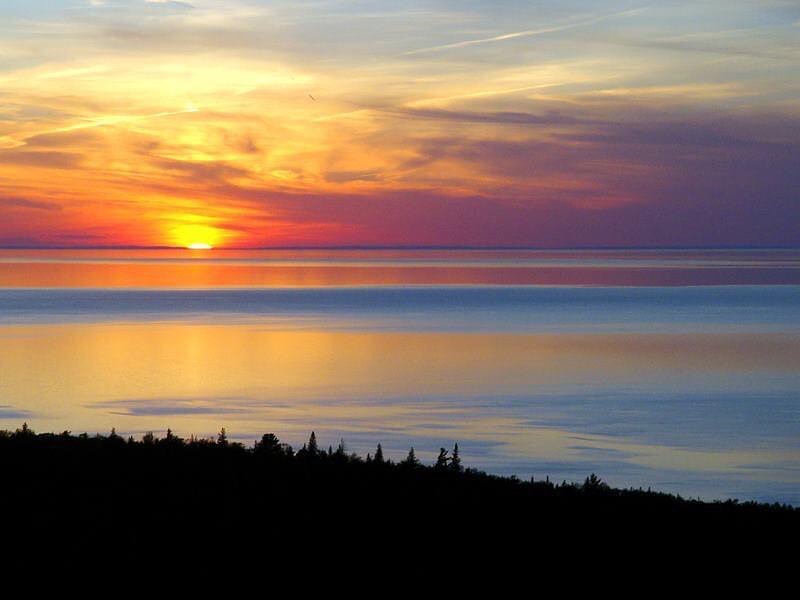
{"x": 197, "y": 236}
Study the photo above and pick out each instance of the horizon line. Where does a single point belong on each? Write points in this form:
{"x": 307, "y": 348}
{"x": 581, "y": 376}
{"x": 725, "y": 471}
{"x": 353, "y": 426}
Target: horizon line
{"x": 410, "y": 247}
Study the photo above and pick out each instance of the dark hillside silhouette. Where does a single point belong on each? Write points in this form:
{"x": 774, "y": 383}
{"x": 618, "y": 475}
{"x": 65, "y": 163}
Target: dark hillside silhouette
{"x": 104, "y": 496}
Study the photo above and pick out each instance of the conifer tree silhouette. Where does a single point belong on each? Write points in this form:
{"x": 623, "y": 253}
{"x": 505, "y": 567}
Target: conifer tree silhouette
{"x": 341, "y": 450}
{"x": 411, "y": 460}
{"x": 312, "y": 447}
{"x": 269, "y": 445}
{"x": 455, "y": 461}
{"x": 441, "y": 461}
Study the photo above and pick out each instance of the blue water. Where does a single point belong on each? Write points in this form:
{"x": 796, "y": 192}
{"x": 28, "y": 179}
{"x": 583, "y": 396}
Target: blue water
{"x": 689, "y": 387}
{"x": 429, "y": 308}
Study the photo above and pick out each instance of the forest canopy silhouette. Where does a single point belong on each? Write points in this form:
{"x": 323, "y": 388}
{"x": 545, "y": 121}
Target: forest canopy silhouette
{"x": 86, "y": 488}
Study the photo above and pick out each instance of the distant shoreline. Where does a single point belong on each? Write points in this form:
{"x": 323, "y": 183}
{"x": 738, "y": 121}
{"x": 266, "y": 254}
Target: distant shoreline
{"x": 411, "y": 248}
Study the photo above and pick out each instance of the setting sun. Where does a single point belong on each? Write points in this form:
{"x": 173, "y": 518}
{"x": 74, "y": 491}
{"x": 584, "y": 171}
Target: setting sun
{"x": 197, "y": 236}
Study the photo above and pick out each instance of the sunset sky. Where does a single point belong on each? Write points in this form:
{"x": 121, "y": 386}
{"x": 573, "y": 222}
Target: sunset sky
{"x": 248, "y": 123}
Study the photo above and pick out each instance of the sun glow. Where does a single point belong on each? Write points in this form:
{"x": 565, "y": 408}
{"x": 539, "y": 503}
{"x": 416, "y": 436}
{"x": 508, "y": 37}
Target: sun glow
{"x": 197, "y": 236}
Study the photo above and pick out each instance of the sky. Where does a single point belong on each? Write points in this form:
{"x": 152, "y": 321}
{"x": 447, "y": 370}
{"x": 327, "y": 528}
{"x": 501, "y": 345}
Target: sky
{"x": 248, "y": 123}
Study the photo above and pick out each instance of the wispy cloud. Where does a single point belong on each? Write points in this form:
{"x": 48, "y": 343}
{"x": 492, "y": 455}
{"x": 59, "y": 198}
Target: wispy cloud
{"x": 29, "y": 204}
{"x": 526, "y": 33}
{"x": 10, "y": 412}
{"x": 160, "y": 116}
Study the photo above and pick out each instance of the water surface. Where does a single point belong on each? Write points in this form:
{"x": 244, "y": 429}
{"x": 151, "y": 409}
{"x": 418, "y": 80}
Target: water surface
{"x": 673, "y": 369}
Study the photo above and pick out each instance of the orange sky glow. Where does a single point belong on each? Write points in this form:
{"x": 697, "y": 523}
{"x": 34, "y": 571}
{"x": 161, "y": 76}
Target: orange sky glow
{"x": 133, "y": 123}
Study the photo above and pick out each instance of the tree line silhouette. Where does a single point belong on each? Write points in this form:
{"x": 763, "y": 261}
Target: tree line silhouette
{"x": 78, "y": 489}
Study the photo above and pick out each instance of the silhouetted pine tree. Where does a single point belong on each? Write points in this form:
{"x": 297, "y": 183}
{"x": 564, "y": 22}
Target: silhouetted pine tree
{"x": 594, "y": 483}
{"x": 455, "y": 461}
{"x": 379, "y": 455}
{"x": 340, "y": 449}
{"x": 269, "y": 445}
{"x": 312, "y": 447}
{"x": 222, "y": 438}
{"x": 441, "y": 461}
{"x": 411, "y": 460}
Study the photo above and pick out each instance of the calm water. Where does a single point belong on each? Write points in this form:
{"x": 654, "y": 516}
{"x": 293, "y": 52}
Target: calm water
{"x": 673, "y": 369}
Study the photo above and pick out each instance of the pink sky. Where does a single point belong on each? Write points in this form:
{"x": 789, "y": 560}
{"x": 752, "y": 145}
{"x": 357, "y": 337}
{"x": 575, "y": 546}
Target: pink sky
{"x": 269, "y": 124}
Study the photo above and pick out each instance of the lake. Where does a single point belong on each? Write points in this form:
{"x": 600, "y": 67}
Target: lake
{"x": 676, "y": 369}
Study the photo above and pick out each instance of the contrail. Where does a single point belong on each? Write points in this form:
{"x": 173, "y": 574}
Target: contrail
{"x": 8, "y": 142}
{"x": 526, "y": 33}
